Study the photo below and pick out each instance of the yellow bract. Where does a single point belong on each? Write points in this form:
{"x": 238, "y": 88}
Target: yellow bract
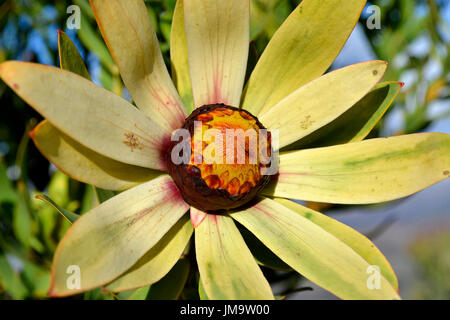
{"x": 301, "y": 50}
{"x": 321, "y": 101}
{"x": 179, "y": 57}
{"x": 91, "y": 115}
{"x": 227, "y": 267}
{"x": 356, "y": 123}
{"x": 110, "y": 238}
{"x": 312, "y": 251}
{"x": 217, "y": 35}
{"x": 128, "y": 32}
{"x": 370, "y": 171}
{"x": 355, "y": 240}
{"x": 158, "y": 261}
{"x": 85, "y": 165}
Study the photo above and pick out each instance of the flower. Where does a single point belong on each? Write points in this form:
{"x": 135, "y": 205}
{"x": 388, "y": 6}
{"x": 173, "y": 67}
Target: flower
{"x": 136, "y": 237}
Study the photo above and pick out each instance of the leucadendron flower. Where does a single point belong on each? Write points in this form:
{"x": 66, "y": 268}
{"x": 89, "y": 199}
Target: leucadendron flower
{"x": 135, "y": 238}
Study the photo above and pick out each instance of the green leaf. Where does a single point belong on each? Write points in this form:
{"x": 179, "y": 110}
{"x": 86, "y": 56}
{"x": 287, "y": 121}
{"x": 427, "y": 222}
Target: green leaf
{"x": 103, "y": 195}
{"x": 70, "y": 216}
{"x": 36, "y": 245}
{"x": 11, "y": 281}
{"x": 69, "y": 57}
{"x": 49, "y": 218}
{"x": 165, "y": 29}
{"x": 139, "y": 294}
{"x": 85, "y": 8}
{"x": 201, "y": 290}
{"x": 171, "y": 286}
{"x": 94, "y": 43}
{"x": 22, "y": 221}
{"x": 262, "y": 254}
{"x": 7, "y": 193}
{"x": 260, "y": 12}
{"x": 153, "y": 18}
{"x": 37, "y": 277}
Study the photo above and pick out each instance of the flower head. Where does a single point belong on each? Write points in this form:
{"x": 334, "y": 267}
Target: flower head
{"x": 136, "y": 237}
{"x": 227, "y": 155}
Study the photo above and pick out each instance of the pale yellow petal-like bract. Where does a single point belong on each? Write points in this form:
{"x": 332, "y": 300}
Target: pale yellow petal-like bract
{"x": 108, "y": 240}
{"x": 301, "y": 50}
{"x": 369, "y": 171}
{"x": 217, "y": 34}
{"x": 321, "y": 101}
{"x": 86, "y": 165}
{"x": 128, "y": 32}
{"x": 227, "y": 268}
{"x": 91, "y": 115}
{"x": 312, "y": 251}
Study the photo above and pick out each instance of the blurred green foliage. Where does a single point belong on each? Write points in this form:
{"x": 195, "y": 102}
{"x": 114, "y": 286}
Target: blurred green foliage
{"x": 432, "y": 253}
{"x": 31, "y": 228}
{"x": 415, "y": 39}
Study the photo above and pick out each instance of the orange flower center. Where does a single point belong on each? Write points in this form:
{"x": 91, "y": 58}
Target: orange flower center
{"x": 220, "y": 163}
